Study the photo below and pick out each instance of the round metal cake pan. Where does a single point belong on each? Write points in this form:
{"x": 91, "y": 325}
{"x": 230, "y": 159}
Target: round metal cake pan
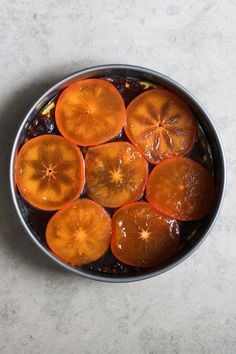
{"x": 204, "y": 120}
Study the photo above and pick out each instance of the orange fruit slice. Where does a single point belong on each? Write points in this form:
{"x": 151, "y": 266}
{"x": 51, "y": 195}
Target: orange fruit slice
{"x": 90, "y": 112}
{"x": 142, "y": 237}
{"x": 49, "y": 172}
{"x": 116, "y": 173}
{"x": 79, "y": 234}
{"x": 160, "y": 125}
{"x": 181, "y": 188}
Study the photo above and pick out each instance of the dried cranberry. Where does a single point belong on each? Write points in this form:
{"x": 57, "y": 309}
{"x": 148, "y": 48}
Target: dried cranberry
{"x": 128, "y": 88}
{"x": 41, "y": 125}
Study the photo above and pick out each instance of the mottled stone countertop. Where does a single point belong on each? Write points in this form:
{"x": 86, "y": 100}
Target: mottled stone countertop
{"x": 192, "y": 308}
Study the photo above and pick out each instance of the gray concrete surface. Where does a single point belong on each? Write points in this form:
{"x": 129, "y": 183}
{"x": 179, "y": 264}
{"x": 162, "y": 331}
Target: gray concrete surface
{"x": 191, "y": 309}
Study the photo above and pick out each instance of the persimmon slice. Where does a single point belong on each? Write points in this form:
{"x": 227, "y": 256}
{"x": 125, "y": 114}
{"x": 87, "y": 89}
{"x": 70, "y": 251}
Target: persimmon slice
{"x": 79, "y": 234}
{"x": 116, "y": 173}
{"x": 90, "y": 112}
{"x": 142, "y": 237}
{"x": 160, "y": 125}
{"x": 181, "y": 188}
{"x": 49, "y": 172}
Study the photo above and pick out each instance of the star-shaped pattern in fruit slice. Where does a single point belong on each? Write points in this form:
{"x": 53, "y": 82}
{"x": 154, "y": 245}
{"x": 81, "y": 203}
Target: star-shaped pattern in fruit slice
{"x": 49, "y": 172}
{"x": 160, "y": 125}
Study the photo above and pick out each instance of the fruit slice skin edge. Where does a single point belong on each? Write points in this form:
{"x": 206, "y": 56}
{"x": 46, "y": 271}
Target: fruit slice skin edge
{"x": 48, "y": 168}
{"x": 93, "y": 105}
{"x": 79, "y": 234}
{"x": 141, "y": 218}
{"x": 160, "y": 125}
{"x": 204, "y": 189}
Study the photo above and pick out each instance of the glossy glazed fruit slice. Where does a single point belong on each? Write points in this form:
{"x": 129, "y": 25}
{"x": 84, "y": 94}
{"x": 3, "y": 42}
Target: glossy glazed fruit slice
{"x": 49, "y": 172}
{"x": 90, "y": 112}
{"x": 142, "y": 237}
{"x": 160, "y": 125}
{"x": 181, "y": 188}
{"x": 116, "y": 173}
{"x": 79, "y": 234}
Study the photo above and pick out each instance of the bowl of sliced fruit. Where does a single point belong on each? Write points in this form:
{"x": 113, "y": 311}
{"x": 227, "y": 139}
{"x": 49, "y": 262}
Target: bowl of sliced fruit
{"x": 117, "y": 173}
